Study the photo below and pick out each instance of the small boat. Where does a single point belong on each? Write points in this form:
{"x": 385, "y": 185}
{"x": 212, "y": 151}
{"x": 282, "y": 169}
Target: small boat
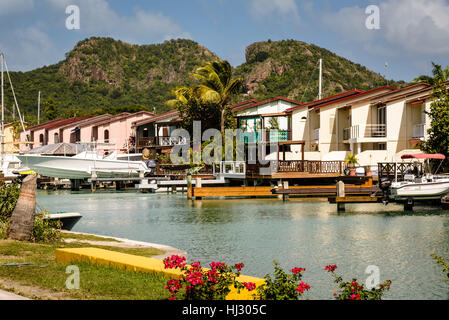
{"x": 418, "y": 187}
{"x": 68, "y": 219}
{"x": 9, "y": 165}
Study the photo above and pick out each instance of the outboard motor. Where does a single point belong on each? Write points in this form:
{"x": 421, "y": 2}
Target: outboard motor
{"x": 385, "y": 185}
{"x": 151, "y": 165}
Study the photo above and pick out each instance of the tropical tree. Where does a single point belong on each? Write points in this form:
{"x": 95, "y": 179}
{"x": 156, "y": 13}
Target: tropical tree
{"x": 439, "y": 75}
{"x": 218, "y": 87}
{"x": 438, "y": 141}
{"x": 194, "y": 104}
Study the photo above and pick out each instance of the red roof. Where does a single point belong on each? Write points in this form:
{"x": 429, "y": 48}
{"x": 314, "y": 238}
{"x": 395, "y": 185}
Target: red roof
{"x": 66, "y": 121}
{"x": 244, "y": 106}
{"x": 424, "y": 156}
{"x": 168, "y": 114}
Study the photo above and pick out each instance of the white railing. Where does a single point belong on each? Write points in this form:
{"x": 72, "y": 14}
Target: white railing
{"x": 365, "y": 131}
{"x": 419, "y": 131}
{"x": 172, "y": 141}
{"x": 316, "y": 134}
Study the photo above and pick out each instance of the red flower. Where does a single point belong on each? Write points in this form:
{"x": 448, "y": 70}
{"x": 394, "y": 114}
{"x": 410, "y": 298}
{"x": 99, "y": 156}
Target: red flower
{"x": 174, "y": 262}
{"x": 298, "y": 270}
{"x": 239, "y": 266}
{"x": 303, "y": 287}
{"x": 250, "y": 286}
{"x": 331, "y": 268}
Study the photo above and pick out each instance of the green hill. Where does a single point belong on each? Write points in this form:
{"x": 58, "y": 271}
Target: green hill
{"x": 289, "y": 68}
{"x": 105, "y": 75}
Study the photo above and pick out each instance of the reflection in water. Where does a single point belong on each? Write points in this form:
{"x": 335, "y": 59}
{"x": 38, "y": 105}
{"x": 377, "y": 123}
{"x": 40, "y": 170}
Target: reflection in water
{"x": 301, "y": 232}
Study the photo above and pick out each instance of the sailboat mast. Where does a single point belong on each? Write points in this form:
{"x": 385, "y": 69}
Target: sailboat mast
{"x": 2, "y": 58}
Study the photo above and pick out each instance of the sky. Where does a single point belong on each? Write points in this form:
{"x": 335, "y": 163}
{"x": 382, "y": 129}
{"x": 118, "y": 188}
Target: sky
{"x": 410, "y": 33}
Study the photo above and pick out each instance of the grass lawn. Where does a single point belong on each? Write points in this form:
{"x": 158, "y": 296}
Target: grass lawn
{"x": 96, "y": 282}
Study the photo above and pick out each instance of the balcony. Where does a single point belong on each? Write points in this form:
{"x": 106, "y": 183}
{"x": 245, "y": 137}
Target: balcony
{"x": 418, "y": 131}
{"x": 160, "y": 141}
{"x": 365, "y": 131}
{"x": 278, "y": 135}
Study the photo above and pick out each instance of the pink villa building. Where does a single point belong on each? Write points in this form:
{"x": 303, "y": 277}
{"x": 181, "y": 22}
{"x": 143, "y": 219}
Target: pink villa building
{"x": 103, "y": 128}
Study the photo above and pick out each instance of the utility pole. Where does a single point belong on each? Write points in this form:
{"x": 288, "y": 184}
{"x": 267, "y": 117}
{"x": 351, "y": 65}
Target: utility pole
{"x": 320, "y": 94}
{"x": 38, "y": 107}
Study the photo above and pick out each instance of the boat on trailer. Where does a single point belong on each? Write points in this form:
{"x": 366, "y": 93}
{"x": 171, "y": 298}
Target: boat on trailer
{"x": 420, "y": 186}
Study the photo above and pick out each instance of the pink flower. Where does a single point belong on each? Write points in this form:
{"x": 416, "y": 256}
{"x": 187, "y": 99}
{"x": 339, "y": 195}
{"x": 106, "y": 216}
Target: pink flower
{"x": 174, "y": 262}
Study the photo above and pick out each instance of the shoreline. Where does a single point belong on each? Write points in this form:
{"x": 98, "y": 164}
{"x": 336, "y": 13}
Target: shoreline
{"x": 123, "y": 242}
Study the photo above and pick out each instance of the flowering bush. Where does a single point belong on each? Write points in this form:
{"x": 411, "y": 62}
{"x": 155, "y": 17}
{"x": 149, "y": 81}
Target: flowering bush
{"x": 284, "y": 286}
{"x": 197, "y": 283}
{"x": 353, "y": 290}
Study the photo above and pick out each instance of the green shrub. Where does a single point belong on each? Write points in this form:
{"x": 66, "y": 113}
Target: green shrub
{"x": 4, "y": 226}
{"x": 9, "y": 193}
{"x": 45, "y": 230}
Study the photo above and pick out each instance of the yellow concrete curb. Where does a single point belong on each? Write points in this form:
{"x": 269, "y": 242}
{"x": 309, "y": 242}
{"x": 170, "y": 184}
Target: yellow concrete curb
{"x": 131, "y": 262}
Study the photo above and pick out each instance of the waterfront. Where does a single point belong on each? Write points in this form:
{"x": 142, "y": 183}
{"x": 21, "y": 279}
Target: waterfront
{"x": 306, "y": 233}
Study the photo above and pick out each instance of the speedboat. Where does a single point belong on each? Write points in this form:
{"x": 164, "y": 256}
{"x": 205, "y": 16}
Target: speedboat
{"x": 83, "y": 166}
{"x": 418, "y": 186}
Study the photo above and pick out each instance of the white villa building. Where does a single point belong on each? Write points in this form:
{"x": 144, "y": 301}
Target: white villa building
{"x": 378, "y": 125}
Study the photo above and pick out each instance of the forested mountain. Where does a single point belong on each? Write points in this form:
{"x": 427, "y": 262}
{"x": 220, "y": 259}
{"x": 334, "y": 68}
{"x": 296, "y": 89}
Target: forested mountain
{"x": 106, "y": 75}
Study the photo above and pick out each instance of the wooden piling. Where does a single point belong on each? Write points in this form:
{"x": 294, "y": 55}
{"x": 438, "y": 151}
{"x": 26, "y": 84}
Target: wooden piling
{"x": 341, "y": 194}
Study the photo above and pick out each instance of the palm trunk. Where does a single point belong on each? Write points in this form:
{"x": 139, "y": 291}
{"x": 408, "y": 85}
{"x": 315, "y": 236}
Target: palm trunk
{"x": 22, "y": 219}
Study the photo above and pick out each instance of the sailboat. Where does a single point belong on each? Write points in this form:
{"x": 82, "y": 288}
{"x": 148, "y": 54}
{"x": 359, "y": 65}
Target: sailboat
{"x": 421, "y": 186}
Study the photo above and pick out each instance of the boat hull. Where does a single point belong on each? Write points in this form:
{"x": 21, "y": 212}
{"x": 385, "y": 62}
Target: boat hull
{"x": 76, "y": 168}
{"x": 420, "y": 191}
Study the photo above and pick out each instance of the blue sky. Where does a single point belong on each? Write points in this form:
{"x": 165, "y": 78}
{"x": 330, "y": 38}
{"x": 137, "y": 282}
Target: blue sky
{"x": 412, "y": 32}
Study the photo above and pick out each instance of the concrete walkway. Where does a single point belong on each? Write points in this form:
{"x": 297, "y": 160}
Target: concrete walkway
{"x": 5, "y": 295}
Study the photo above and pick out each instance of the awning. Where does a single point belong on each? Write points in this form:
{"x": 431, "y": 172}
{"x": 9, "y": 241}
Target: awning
{"x": 424, "y": 156}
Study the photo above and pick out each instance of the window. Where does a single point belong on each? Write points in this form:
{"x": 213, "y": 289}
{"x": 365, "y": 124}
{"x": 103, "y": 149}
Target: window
{"x": 381, "y": 146}
{"x": 381, "y": 115}
{"x": 56, "y": 137}
{"x": 145, "y": 133}
{"x": 106, "y": 136}
{"x": 41, "y": 138}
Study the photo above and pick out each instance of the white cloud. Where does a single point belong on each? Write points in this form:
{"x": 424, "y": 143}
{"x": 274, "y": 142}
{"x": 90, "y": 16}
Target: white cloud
{"x": 419, "y": 26}
{"x": 98, "y": 18}
{"x": 261, "y": 9}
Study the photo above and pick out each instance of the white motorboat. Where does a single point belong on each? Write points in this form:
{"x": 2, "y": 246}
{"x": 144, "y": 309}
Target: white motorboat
{"x": 83, "y": 166}
{"x": 9, "y": 165}
{"x": 425, "y": 187}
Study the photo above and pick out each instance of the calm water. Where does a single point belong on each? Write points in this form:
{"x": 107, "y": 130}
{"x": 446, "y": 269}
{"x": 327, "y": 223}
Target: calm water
{"x": 298, "y": 233}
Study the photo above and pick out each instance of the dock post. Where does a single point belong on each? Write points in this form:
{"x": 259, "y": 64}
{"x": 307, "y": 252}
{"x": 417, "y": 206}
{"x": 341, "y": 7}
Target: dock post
{"x": 408, "y": 205}
{"x": 189, "y": 186}
{"x": 340, "y": 194}
{"x": 93, "y": 182}
{"x": 285, "y": 196}
{"x": 198, "y": 185}
{"x": 280, "y": 197}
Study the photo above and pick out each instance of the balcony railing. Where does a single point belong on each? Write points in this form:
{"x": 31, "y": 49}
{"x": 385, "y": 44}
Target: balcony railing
{"x": 278, "y": 135}
{"x": 365, "y": 131}
{"x": 160, "y": 141}
{"x": 419, "y": 131}
{"x": 266, "y": 136}
{"x": 301, "y": 166}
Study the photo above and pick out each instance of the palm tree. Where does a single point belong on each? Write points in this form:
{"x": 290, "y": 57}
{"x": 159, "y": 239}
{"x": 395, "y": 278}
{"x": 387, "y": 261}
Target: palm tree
{"x": 22, "y": 219}
{"x": 440, "y": 75}
{"x": 217, "y": 86}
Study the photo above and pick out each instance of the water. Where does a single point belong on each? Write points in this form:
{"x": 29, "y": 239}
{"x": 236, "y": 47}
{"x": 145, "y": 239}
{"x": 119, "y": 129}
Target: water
{"x": 303, "y": 233}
